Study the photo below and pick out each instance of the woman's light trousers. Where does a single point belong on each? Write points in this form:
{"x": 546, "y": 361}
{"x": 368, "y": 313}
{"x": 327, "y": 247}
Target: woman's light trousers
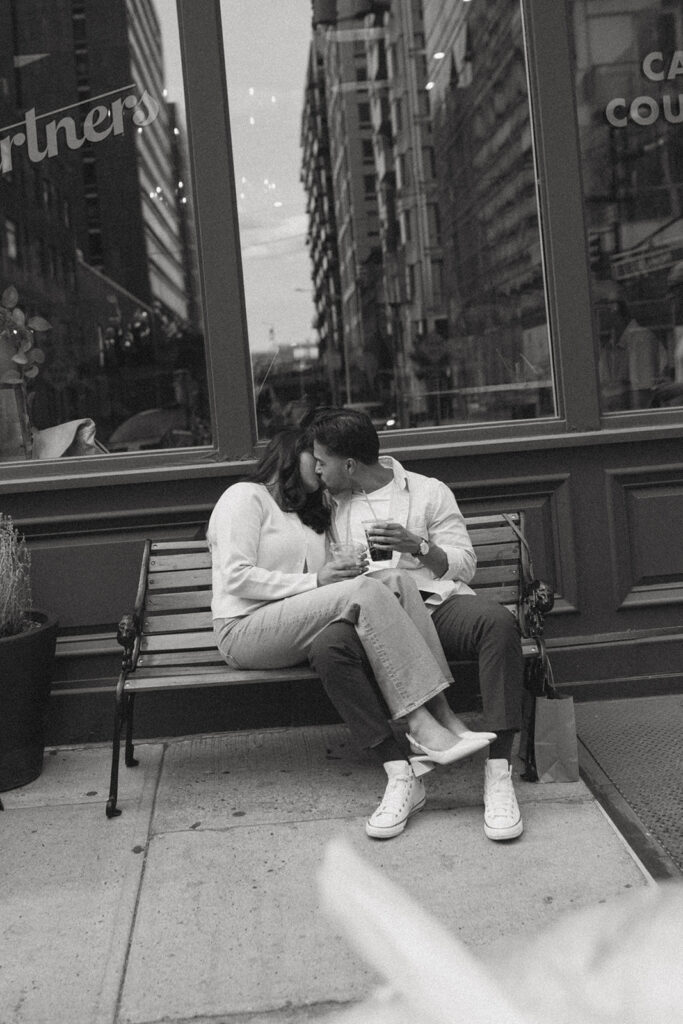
{"x": 388, "y": 614}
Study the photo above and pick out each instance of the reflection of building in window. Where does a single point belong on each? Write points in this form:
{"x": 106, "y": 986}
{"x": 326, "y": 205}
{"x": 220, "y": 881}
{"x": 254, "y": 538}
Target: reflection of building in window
{"x": 387, "y": 290}
{"x": 407, "y": 198}
{"x": 103, "y": 227}
{"x": 185, "y": 213}
{"x": 316, "y": 175}
{"x": 355, "y": 206}
{"x": 289, "y": 383}
{"x": 133, "y": 232}
{"x": 492, "y": 270}
{"x": 458, "y": 264}
{"x": 632, "y": 171}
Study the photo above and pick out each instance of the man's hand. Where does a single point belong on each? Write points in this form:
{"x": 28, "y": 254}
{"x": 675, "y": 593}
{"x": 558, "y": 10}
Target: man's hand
{"x": 393, "y": 536}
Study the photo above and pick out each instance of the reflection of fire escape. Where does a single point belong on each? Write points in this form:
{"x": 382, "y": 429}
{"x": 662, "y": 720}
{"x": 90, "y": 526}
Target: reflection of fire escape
{"x": 316, "y": 176}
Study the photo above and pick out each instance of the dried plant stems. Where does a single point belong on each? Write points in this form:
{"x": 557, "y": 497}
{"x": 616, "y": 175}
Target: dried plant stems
{"x": 15, "y": 581}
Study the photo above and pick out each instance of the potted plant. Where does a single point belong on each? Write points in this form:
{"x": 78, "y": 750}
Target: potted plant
{"x": 20, "y": 360}
{"x": 28, "y": 638}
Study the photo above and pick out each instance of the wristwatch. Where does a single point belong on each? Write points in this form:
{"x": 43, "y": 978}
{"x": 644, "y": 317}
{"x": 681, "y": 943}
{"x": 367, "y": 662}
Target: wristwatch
{"x": 422, "y": 548}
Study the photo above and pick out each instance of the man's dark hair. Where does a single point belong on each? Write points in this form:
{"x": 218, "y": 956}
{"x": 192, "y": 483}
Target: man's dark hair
{"x": 347, "y": 433}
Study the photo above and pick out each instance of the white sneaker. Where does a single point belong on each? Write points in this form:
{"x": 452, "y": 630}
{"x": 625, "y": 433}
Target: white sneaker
{"x": 404, "y": 795}
{"x": 502, "y": 817}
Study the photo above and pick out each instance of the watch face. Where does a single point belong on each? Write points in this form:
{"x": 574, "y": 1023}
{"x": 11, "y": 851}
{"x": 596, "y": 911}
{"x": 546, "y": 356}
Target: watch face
{"x": 424, "y": 547}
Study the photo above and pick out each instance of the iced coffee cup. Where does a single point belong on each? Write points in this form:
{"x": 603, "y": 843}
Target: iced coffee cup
{"x": 347, "y": 551}
{"x": 376, "y": 554}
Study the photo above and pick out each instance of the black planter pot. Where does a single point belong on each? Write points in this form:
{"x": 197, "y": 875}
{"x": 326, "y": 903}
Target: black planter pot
{"x": 26, "y": 666}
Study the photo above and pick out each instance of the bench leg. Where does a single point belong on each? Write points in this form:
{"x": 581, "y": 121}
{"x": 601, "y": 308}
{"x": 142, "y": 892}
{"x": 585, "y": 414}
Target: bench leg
{"x": 112, "y": 810}
{"x": 131, "y": 761}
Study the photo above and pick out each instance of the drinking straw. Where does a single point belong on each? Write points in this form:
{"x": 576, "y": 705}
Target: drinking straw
{"x": 374, "y": 514}
{"x": 348, "y": 515}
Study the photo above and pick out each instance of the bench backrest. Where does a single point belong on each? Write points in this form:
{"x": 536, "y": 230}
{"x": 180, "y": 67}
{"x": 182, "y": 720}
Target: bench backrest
{"x": 174, "y": 593}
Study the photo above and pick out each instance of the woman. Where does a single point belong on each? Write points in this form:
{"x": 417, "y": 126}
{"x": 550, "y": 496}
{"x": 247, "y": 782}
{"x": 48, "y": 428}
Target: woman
{"x": 278, "y": 595}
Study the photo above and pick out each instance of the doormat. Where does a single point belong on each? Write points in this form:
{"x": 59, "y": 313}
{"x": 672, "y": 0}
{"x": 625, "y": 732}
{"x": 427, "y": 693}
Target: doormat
{"x": 631, "y": 754}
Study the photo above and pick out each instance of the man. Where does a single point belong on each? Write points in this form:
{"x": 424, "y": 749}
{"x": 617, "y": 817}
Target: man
{"x": 418, "y": 520}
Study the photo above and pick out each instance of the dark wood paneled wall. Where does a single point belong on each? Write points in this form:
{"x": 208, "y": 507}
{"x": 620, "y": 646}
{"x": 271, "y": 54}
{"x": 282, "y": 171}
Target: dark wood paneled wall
{"x": 603, "y": 517}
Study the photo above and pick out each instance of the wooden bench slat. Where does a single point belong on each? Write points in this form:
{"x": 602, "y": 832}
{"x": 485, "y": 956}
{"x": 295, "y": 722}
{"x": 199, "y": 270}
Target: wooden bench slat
{"x": 202, "y": 577}
{"x": 186, "y": 677}
{"x": 167, "y": 666}
{"x": 491, "y": 517}
{"x": 495, "y": 574}
{"x": 136, "y": 683}
{"x": 496, "y": 535}
{"x": 178, "y": 545}
{"x": 506, "y": 552}
{"x": 187, "y": 621}
{"x": 171, "y": 668}
{"x": 180, "y": 560}
{"x": 200, "y": 557}
{"x": 473, "y": 523}
{"x": 199, "y": 656}
{"x": 187, "y": 663}
{"x": 185, "y": 599}
{"x": 180, "y": 578}
{"x": 503, "y": 595}
{"x": 475, "y": 526}
{"x": 221, "y": 677}
{"x": 177, "y": 642}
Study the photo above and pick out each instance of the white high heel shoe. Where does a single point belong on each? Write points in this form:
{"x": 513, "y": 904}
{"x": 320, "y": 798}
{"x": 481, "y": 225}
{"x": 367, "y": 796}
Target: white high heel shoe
{"x": 467, "y": 734}
{"x": 467, "y": 744}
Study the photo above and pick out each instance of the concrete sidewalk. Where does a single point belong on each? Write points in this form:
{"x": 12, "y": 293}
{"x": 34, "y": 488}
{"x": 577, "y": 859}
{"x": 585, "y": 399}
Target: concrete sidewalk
{"x": 199, "y": 902}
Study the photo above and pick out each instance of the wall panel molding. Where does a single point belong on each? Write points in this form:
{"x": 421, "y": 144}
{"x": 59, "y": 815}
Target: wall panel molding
{"x": 546, "y": 503}
{"x": 603, "y": 526}
{"x": 87, "y": 570}
{"x": 645, "y": 513}
{"x": 636, "y": 663}
{"x": 119, "y": 520}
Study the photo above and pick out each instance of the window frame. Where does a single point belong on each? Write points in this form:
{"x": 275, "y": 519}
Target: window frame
{"x": 221, "y": 286}
{"x": 565, "y": 254}
{"x": 564, "y": 235}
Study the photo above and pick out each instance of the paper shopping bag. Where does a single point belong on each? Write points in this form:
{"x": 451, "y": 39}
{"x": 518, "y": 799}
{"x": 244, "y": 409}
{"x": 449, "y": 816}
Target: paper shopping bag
{"x": 555, "y": 745}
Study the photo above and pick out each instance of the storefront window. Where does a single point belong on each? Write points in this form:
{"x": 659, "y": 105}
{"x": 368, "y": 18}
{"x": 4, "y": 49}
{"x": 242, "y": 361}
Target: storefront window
{"x": 101, "y": 338}
{"x": 629, "y": 89}
{"x": 415, "y": 292}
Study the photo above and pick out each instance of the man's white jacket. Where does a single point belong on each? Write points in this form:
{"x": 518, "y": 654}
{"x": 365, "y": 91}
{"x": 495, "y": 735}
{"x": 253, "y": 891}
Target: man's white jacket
{"x": 427, "y": 507}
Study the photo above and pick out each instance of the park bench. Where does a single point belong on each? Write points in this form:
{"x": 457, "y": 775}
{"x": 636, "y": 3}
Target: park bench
{"x": 169, "y": 644}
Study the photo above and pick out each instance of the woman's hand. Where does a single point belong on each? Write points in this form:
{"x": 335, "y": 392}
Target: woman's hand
{"x": 341, "y": 568}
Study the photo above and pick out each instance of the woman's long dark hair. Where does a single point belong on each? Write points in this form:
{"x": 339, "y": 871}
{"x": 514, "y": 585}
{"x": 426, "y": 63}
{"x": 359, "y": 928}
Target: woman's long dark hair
{"x": 278, "y": 469}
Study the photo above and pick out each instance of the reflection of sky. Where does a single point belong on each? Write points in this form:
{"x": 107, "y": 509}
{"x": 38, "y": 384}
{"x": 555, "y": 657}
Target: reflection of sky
{"x": 266, "y": 51}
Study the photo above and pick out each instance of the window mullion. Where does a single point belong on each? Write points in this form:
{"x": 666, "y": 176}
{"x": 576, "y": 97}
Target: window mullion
{"x": 229, "y": 367}
{"x": 560, "y": 197}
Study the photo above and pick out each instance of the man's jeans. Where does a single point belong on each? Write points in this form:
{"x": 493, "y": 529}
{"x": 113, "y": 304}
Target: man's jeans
{"x": 397, "y": 636}
{"x": 481, "y": 630}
